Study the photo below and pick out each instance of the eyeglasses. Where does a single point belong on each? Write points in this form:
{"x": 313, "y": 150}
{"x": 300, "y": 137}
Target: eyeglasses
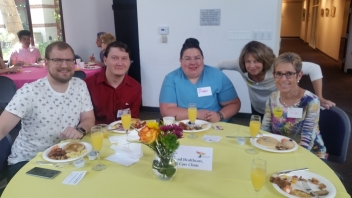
{"x": 59, "y": 61}
{"x": 288, "y": 75}
{"x": 189, "y": 59}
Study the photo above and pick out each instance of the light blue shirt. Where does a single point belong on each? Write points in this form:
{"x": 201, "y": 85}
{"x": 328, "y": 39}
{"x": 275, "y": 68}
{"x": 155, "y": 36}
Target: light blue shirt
{"x": 178, "y": 89}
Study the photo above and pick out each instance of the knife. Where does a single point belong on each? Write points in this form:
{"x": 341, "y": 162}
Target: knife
{"x": 293, "y": 170}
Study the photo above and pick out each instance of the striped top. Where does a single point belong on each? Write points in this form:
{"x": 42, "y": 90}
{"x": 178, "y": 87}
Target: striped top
{"x": 304, "y": 130}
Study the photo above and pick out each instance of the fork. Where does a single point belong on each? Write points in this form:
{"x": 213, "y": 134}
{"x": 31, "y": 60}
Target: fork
{"x": 308, "y": 189}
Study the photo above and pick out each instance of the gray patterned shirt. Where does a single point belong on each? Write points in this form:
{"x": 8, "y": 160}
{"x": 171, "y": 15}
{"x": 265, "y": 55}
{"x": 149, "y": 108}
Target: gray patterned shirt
{"x": 45, "y": 114}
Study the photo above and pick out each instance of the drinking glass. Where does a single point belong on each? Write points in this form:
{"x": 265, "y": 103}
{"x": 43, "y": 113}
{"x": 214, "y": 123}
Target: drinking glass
{"x": 97, "y": 138}
{"x": 258, "y": 174}
{"x": 126, "y": 121}
{"x": 192, "y": 115}
{"x": 104, "y": 129}
{"x": 254, "y": 127}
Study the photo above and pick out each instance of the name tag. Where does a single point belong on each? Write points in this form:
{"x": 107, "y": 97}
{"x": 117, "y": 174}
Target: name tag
{"x": 295, "y": 113}
{"x": 204, "y": 91}
{"x": 119, "y": 112}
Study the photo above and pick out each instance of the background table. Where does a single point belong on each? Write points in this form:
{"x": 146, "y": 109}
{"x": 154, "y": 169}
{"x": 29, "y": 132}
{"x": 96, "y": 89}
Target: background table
{"x": 230, "y": 176}
{"x": 30, "y": 74}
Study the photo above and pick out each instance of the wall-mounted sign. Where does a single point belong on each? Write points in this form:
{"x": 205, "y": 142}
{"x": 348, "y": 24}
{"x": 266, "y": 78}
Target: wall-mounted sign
{"x": 210, "y": 17}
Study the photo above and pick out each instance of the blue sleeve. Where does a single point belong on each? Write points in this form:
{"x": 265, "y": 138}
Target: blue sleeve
{"x": 168, "y": 91}
{"x": 228, "y": 91}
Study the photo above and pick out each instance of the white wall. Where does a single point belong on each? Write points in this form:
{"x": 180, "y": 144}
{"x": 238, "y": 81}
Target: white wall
{"x": 182, "y": 17}
{"x": 83, "y": 19}
{"x": 291, "y": 19}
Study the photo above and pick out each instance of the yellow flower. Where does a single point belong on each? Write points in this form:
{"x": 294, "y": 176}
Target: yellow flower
{"x": 149, "y": 133}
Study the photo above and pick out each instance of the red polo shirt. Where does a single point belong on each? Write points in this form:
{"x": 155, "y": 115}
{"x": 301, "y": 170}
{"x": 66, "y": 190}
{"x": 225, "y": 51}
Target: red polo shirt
{"x": 107, "y": 100}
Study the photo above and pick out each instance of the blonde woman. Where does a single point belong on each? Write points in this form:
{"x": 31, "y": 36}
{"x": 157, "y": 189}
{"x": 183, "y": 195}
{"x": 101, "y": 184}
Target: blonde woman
{"x": 106, "y": 39}
{"x": 292, "y": 111}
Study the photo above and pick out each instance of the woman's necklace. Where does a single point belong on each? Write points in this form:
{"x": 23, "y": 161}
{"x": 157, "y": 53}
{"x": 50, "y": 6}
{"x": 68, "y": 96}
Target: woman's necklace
{"x": 295, "y": 98}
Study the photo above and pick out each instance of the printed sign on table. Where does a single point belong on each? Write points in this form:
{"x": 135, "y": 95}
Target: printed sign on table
{"x": 193, "y": 157}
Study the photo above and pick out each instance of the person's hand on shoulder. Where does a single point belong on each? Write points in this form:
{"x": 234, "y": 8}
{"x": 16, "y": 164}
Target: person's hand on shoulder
{"x": 327, "y": 104}
{"x": 71, "y": 133}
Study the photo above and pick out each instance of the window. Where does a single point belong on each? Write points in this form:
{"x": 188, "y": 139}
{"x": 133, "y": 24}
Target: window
{"x": 42, "y": 18}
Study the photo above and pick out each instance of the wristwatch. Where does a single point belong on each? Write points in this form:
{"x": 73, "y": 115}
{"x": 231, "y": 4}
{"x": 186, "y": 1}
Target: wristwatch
{"x": 221, "y": 116}
{"x": 81, "y": 130}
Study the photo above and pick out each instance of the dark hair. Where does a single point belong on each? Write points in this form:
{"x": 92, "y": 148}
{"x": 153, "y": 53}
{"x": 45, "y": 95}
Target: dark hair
{"x": 60, "y": 45}
{"x": 190, "y": 43}
{"x": 99, "y": 34}
{"x": 289, "y": 57}
{"x": 117, "y": 44}
{"x": 23, "y": 33}
{"x": 260, "y": 52}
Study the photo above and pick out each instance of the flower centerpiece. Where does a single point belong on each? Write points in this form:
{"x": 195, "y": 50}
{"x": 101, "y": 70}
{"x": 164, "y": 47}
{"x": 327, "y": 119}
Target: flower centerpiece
{"x": 163, "y": 140}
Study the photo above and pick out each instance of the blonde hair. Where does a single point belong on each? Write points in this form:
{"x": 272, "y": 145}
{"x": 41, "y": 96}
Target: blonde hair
{"x": 260, "y": 52}
{"x": 107, "y": 38}
{"x": 289, "y": 57}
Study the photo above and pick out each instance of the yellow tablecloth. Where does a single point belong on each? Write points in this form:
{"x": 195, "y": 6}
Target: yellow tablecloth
{"x": 230, "y": 176}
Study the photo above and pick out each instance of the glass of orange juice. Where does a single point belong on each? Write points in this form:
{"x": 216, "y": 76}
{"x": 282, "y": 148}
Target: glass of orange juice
{"x": 258, "y": 174}
{"x": 254, "y": 127}
{"x": 97, "y": 138}
{"x": 126, "y": 122}
{"x": 192, "y": 116}
{"x": 104, "y": 129}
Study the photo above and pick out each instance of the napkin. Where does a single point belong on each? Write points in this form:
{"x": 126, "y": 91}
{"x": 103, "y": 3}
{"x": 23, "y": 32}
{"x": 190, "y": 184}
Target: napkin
{"x": 121, "y": 159}
{"x": 211, "y": 138}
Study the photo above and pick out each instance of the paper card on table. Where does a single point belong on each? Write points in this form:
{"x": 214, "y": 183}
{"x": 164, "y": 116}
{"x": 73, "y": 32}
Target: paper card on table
{"x": 211, "y": 138}
{"x": 115, "y": 139}
{"x": 295, "y": 112}
{"x": 121, "y": 159}
{"x": 74, "y": 178}
{"x": 193, "y": 157}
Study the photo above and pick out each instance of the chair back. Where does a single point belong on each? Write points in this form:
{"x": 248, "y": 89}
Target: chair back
{"x": 335, "y": 129}
{"x": 7, "y": 91}
{"x": 80, "y": 74}
{"x": 5, "y": 151}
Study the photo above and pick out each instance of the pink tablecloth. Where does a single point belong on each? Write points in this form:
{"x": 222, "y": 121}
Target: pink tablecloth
{"x": 31, "y": 74}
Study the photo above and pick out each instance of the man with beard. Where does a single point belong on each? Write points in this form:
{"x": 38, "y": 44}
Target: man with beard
{"x": 51, "y": 109}
{"x": 112, "y": 90}
{"x": 24, "y": 54}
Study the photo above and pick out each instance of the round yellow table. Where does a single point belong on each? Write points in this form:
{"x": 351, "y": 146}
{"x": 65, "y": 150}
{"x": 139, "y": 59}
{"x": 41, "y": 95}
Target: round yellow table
{"x": 230, "y": 176}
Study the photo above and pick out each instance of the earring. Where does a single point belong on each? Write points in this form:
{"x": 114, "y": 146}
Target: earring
{"x": 297, "y": 81}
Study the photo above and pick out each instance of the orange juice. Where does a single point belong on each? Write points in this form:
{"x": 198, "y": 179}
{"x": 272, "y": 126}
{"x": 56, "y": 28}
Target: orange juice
{"x": 104, "y": 129}
{"x": 258, "y": 178}
{"x": 254, "y": 127}
{"x": 97, "y": 140}
{"x": 192, "y": 114}
{"x": 126, "y": 121}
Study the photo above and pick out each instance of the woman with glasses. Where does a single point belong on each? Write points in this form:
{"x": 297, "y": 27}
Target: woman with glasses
{"x": 255, "y": 66}
{"x": 194, "y": 82}
{"x": 292, "y": 111}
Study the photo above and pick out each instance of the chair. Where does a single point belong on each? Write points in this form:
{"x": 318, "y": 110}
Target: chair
{"x": 5, "y": 151}
{"x": 80, "y": 74}
{"x": 335, "y": 128}
{"x": 7, "y": 91}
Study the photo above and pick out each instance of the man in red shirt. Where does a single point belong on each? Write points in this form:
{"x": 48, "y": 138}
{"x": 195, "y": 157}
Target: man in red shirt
{"x": 112, "y": 89}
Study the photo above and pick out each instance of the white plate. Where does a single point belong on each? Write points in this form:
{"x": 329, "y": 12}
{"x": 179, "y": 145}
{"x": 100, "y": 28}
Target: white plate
{"x": 61, "y": 145}
{"x": 197, "y": 122}
{"x": 271, "y": 149}
{"x": 309, "y": 175}
{"x": 91, "y": 67}
{"x": 117, "y": 130}
{"x": 30, "y": 65}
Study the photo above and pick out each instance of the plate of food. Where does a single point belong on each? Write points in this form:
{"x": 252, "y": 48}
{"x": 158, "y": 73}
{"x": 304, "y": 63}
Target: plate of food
{"x": 67, "y": 151}
{"x": 291, "y": 185}
{"x": 90, "y": 67}
{"x": 274, "y": 143}
{"x": 117, "y": 125}
{"x": 199, "y": 126}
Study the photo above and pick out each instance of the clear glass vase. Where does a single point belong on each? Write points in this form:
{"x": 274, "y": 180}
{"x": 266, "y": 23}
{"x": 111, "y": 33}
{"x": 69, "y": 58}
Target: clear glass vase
{"x": 164, "y": 166}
